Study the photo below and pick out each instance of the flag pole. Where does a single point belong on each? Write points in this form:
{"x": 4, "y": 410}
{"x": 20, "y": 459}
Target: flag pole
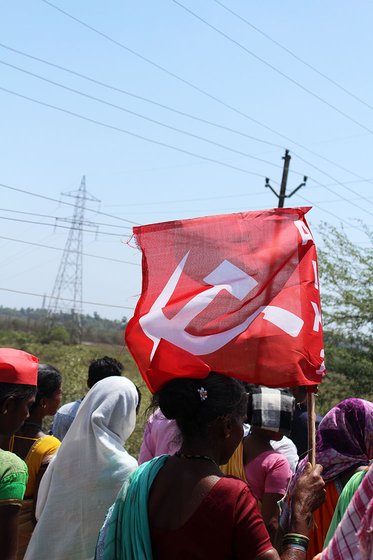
{"x": 311, "y": 411}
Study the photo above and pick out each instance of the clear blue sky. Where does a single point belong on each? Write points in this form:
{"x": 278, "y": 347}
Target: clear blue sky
{"x": 47, "y": 151}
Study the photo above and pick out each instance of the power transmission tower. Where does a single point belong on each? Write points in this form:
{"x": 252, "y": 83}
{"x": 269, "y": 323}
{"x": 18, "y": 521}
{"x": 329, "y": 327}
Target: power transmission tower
{"x": 281, "y": 197}
{"x": 69, "y": 280}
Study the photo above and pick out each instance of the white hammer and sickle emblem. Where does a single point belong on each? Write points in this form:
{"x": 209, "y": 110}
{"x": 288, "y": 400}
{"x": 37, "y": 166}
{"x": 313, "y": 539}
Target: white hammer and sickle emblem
{"x": 226, "y": 276}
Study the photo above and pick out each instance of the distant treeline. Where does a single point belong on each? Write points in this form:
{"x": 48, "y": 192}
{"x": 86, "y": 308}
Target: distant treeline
{"x": 348, "y": 358}
{"x": 60, "y": 326}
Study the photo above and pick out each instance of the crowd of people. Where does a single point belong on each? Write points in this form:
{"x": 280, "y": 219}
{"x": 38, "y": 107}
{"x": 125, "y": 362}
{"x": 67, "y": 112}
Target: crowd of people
{"x": 222, "y": 472}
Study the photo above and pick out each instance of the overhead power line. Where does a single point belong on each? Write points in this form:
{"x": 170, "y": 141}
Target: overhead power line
{"x": 61, "y": 250}
{"x": 65, "y": 299}
{"x": 136, "y": 204}
{"x": 330, "y": 213}
{"x": 328, "y": 188}
{"x": 142, "y": 98}
{"x": 53, "y": 225}
{"x": 118, "y": 235}
{"x": 197, "y": 199}
{"x": 238, "y": 207}
{"x": 68, "y": 220}
{"x": 175, "y": 147}
{"x": 207, "y": 140}
{"x": 107, "y": 258}
{"x": 3, "y": 185}
{"x": 269, "y": 65}
{"x": 55, "y": 200}
{"x": 170, "y": 73}
{"x": 162, "y": 144}
{"x": 195, "y": 87}
{"x": 221, "y": 197}
{"x": 295, "y": 56}
{"x": 139, "y": 115}
{"x": 183, "y": 113}
{"x": 128, "y": 132}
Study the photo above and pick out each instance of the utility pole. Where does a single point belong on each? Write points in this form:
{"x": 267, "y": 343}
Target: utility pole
{"x": 281, "y": 197}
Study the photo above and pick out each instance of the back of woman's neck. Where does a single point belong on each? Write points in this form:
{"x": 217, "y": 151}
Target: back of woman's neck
{"x": 255, "y": 444}
{"x": 194, "y": 449}
{"x": 32, "y": 427}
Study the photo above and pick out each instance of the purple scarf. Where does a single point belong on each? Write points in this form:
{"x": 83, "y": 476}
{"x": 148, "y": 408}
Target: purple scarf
{"x": 344, "y": 438}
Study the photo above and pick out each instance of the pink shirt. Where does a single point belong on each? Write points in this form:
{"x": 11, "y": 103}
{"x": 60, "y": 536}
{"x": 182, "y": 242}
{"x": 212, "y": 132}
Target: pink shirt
{"x": 161, "y": 436}
{"x": 268, "y": 473}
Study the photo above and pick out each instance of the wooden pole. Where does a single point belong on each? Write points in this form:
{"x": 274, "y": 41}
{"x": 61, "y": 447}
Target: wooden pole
{"x": 311, "y": 409}
{"x": 281, "y": 198}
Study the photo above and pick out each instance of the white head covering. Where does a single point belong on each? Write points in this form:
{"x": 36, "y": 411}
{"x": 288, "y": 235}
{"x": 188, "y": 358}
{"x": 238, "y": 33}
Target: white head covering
{"x": 83, "y": 480}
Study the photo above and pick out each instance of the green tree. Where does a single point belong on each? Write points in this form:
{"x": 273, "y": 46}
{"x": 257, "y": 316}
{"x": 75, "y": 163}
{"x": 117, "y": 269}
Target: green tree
{"x": 346, "y": 279}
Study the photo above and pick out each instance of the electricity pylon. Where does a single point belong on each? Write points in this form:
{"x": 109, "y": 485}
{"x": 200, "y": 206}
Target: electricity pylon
{"x": 67, "y": 294}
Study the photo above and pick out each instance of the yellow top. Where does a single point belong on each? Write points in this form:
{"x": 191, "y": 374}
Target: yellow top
{"x": 235, "y": 466}
{"x": 39, "y": 454}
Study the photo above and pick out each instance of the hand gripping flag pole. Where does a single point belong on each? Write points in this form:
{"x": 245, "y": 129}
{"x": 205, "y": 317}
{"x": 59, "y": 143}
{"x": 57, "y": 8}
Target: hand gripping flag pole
{"x": 311, "y": 417}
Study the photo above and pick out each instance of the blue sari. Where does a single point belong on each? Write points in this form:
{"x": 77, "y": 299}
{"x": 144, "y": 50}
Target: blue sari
{"x": 125, "y": 534}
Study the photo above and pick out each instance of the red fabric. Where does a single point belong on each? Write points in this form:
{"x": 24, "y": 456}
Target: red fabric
{"x": 240, "y": 291}
{"x": 226, "y": 525}
{"x": 18, "y": 367}
{"x": 170, "y": 361}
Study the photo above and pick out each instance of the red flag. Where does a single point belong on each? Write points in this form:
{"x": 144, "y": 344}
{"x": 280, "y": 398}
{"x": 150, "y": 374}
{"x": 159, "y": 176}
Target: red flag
{"x": 240, "y": 291}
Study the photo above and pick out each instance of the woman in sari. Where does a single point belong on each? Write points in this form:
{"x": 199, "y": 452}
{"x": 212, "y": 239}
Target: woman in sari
{"x": 182, "y": 506}
{"x": 35, "y": 447}
{"x": 353, "y": 538}
{"x": 344, "y": 444}
{"x": 86, "y": 474}
{"x": 18, "y": 377}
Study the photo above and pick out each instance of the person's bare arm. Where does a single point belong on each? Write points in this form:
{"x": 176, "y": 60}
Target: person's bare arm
{"x": 9, "y": 517}
{"x": 308, "y": 495}
{"x": 270, "y": 512}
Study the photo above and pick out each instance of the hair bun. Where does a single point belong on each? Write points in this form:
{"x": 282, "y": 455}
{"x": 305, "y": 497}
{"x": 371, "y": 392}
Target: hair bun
{"x": 195, "y": 403}
{"x": 179, "y": 398}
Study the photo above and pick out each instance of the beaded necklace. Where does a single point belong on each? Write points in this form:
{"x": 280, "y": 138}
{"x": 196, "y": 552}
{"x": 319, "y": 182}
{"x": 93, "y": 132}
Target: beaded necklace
{"x": 202, "y": 457}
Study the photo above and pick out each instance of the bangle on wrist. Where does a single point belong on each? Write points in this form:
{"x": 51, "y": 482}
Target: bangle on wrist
{"x": 295, "y": 539}
{"x": 295, "y": 547}
{"x": 297, "y": 535}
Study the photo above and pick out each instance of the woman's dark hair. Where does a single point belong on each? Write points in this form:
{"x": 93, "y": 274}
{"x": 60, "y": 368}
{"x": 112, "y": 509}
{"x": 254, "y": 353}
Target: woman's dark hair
{"x": 49, "y": 381}
{"x": 194, "y": 403}
{"x": 139, "y": 395}
{"x": 102, "y": 368}
{"x": 17, "y": 391}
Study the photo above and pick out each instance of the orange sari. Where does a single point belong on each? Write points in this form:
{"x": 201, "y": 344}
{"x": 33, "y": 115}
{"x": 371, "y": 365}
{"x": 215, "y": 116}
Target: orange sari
{"x": 321, "y": 520}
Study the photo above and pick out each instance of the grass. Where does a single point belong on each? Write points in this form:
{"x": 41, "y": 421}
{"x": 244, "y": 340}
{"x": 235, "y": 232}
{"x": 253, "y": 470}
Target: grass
{"x": 73, "y": 362}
